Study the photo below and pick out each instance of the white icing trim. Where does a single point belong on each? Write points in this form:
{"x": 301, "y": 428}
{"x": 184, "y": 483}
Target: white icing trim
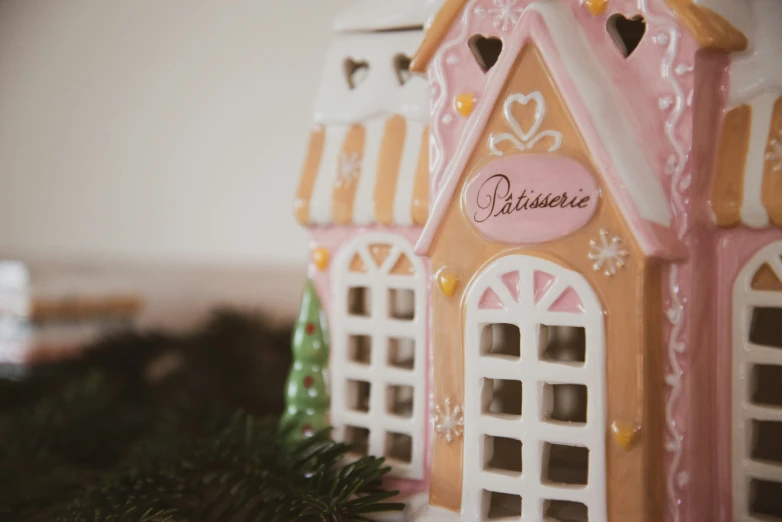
{"x": 668, "y": 35}
{"x": 756, "y": 79}
{"x": 757, "y": 69}
{"x": 364, "y": 202}
{"x": 408, "y": 168}
{"x": 443, "y": 101}
{"x": 320, "y": 204}
{"x": 636, "y": 173}
{"x": 380, "y": 93}
{"x": 376, "y": 15}
{"x": 753, "y": 213}
{"x": 633, "y": 179}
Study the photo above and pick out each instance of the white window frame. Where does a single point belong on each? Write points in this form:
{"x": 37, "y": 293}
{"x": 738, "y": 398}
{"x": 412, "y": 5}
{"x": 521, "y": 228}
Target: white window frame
{"x": 380, "y": 328}
{"x": 531, "y": 430}
{"x": 745, "y": 356}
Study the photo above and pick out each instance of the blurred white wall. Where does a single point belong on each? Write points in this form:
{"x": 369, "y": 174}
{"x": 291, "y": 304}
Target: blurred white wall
{"x": 156, "y": 130}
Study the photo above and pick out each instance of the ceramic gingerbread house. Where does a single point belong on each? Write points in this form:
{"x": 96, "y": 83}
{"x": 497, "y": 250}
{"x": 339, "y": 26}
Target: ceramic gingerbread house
{"x": 589, "y": 327}
{"x": 364, "y": 196}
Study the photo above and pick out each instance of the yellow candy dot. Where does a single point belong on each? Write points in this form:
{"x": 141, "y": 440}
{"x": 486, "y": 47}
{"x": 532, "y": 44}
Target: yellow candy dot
{"x": 624, "y": 434}
{"x": 465, "y": 103}
{"x": 320, "y": 256}
{"x": 448, "y": 283}
{"x": 596, "y": 7}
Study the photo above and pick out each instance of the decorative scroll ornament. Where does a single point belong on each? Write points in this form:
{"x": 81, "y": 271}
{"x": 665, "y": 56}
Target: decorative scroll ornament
{"x": 521, "y": 139}
{"x": 449, "y": 421}
{"x": 609, "y": 253}
{"x": 774, "y": 154}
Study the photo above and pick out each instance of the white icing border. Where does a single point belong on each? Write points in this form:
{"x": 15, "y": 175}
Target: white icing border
{"x": 668, "y": 35}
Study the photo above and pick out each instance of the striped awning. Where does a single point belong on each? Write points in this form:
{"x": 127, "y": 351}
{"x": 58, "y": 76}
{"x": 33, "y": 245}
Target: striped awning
{"x": 375, "y": 172}
{"x": 747, "y": 187}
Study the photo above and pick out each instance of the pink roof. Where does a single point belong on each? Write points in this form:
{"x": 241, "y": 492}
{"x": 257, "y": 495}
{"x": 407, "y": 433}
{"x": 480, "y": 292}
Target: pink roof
{"x": 629, "y": 172}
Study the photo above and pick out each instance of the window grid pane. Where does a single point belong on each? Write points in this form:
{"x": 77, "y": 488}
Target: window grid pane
{"x": 390, "y": 318}
{"x": 543, "y": 374}
{"x": 757, "y": 421}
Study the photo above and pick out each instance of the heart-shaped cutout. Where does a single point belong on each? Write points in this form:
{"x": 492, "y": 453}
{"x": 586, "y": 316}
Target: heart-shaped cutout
{"x": 627, "y": 33}
{"x": 402, "y": 68}
{"x": 486, "y": 51}
{"x": 355, "y": 72}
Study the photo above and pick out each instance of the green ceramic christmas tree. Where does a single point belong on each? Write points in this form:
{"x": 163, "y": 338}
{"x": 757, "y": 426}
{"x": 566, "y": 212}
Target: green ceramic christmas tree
{"x": 307, "y": 399}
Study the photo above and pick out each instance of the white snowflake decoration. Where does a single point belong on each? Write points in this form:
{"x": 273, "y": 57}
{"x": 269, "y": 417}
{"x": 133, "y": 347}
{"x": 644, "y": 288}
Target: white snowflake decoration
{"x": 774, "y": 154}
{"x": 349, "y": 168}
{"x": 608, "y": 253}
{"x": 449, "y": 421}
{"x": 506, "y": 14}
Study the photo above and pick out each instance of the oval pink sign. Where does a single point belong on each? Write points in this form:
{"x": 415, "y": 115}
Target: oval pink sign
{"x": 531, "y": 198}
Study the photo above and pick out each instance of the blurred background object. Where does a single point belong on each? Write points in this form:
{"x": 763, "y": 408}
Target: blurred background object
{"x": 149, "y": 153}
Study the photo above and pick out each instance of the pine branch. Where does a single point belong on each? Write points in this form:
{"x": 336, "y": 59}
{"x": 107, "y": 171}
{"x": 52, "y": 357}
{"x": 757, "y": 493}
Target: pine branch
{"x": 95, "y": 440}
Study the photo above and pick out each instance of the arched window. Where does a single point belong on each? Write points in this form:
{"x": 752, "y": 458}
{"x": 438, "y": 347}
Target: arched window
{"x": 534, "y": 395}
{"x": 757, "y": 387}
{"x": 378, "y": 362}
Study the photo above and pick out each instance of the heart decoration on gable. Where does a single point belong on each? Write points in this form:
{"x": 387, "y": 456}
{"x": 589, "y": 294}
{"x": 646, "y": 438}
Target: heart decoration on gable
{"x": 355, "y": 72}
{"x": 525, "y": 139}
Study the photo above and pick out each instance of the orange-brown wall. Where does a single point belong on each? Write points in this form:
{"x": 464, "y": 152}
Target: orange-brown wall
{"x": 631, "y": 299}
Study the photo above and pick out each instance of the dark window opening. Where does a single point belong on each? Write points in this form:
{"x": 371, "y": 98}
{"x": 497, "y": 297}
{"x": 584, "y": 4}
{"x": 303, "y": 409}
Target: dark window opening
{"x": 565, "y": 464}
{"x": 502, "y": 505}
{"x": 767, "y": 441}
{"x": 563, "y": 344}
{"x": 767, "y": 385}
{"x": 358, "y": 395}
{"x": 766, "y": 499}
{"x": 766, "y": 327}
{"x": 502, "y": 454}
{"x": 360, "y": 349}
{"x": 564, "y": 511}
{"x": 359, "y": 301}
{"x": 501, "y": 340}
{"x": 358, "y": 438}
{"x": 399, "y": 447}
{"x": 565, "y": 403}
{"x": 502, "y": 397}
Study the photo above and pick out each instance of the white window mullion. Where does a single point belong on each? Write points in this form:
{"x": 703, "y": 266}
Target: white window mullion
{"x": 539, "y": 428}
{"x": 761, "y": 413}
{"x": 500, "y": 482}
{"x": 563, "y": 492}
{"x": 563, "y": 373}
{"x": 763, "y": 470}
{"x": 498, "y": 368}
{"x": 382, "y": 420}
{"x": 497, "y": 426}
{"x": 748, "y": 415}
{"x": 354, "y": 418}
{"x": 762, "y": 354}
